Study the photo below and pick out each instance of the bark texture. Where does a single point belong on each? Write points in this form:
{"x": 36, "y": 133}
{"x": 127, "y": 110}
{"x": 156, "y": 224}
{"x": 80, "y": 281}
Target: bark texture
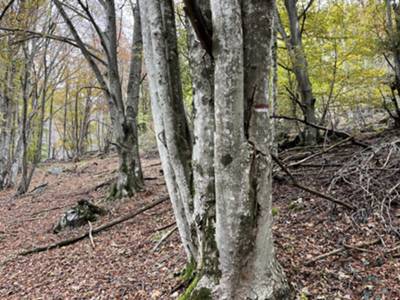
{"x": 171, "y": 128}
{"x": 202, "y": 68}
{"x": 220, "y": 187}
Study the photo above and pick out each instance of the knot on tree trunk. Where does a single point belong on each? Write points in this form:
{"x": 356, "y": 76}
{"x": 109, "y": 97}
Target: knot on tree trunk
{"x": 78, "y": 215}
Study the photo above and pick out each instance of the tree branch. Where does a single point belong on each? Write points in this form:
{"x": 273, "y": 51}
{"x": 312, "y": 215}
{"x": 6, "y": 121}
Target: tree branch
{"x": 297, "y": 184}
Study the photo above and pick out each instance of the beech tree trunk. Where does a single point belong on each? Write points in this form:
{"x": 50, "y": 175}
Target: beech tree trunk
{"x": 202, "y": 71}
{"x": 221, "y": 193}
{"x": 242, "y": 152}
{"x": 171, "y": 128}
{"x": 5, "y": 127}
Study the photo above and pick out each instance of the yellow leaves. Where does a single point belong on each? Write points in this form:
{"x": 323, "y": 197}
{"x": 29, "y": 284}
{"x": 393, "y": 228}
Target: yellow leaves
{"x": 343, "y": 52}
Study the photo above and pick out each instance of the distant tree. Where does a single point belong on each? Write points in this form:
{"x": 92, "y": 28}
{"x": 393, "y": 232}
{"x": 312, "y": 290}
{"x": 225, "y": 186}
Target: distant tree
{"x": 299, "y": 66}
{"x": 123, "y": 110}
{"x": 393, "y": 57}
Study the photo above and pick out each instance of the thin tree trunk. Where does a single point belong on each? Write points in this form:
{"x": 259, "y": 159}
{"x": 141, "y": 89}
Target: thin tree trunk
{"x": 170, "y": 122}
{"x": 300, "y": 69}
{"x": 49, "y": 145}
{"x": 202, "y": 68}
{"x": 64, "y": 138}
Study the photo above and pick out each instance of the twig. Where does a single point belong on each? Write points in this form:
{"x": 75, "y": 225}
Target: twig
{"x": 50, "y": 209}
{"x": 90, "y": 234}
{"x": 153, "y": 165}
{"x": 297, "y": 184}
{"x": 94, "y": 231}
{"x": 164, "y": 238}
{"x": 357, "y": 247}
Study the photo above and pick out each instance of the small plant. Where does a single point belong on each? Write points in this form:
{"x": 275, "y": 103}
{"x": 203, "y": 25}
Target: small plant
{"x": 275, "y": 211}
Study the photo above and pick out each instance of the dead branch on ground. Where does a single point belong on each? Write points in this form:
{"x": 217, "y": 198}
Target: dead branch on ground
{"x": 307, "y": 189}
{"x": 320, "y": 152}
{"x": 342, "y": 134}
{"x": 370, "y": 178}
{"x": 357, "y": 247}
{"x": 164, "y": 238}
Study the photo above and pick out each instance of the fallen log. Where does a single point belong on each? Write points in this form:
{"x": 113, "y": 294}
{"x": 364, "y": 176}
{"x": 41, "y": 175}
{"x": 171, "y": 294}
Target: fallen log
{"x": 94, "y": 231}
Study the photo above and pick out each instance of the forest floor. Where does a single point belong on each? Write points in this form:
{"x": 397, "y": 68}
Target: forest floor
{"x": 121, "y": 263}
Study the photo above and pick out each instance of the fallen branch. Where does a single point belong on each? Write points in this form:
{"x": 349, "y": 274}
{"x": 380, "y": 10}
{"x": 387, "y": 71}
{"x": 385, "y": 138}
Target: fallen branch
{"x": 320, "y": 152}
{"x": 39, "y": 187}
{"x": 337, "y": 132}
{"x": 50, "y": 209}
{"x": 94, "y": 231}
{"x": 164, "y": 238}
{"x": 358, "y": 247}
{"x": 164, "y": 227}
{"x": 307, "y": 189}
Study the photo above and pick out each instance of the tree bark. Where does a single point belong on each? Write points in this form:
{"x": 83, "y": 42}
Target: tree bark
{"x": 202, "y": 71}
{"x": 170, "y": 122}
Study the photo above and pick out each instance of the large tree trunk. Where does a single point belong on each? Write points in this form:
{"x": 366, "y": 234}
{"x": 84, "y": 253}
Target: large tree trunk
{"x": 239, "y": 167}
{"x": 242, "y": 152}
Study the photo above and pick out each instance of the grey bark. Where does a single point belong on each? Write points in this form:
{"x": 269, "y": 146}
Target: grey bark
{"x": 6, "y": 124}
{"x": 170, "y": 122}
{"x": 202, "y": 71}
{"x": 242, "y": 35}
{"x": 236, "y": 163}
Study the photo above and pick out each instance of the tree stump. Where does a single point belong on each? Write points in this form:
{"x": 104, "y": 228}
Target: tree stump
{"x": 78, "y": 215}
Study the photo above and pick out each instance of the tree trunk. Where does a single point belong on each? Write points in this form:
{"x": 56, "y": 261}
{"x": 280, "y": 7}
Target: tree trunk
{"x": 170, "y": 122}
{"x": 300, "y": 69}
{"x": 123, "y": 125}
{"x": 49, "y": 142}
{"x": 6, "y": 118}
{"x": 242, "y": 152}
{"x": 202, "y": 71}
